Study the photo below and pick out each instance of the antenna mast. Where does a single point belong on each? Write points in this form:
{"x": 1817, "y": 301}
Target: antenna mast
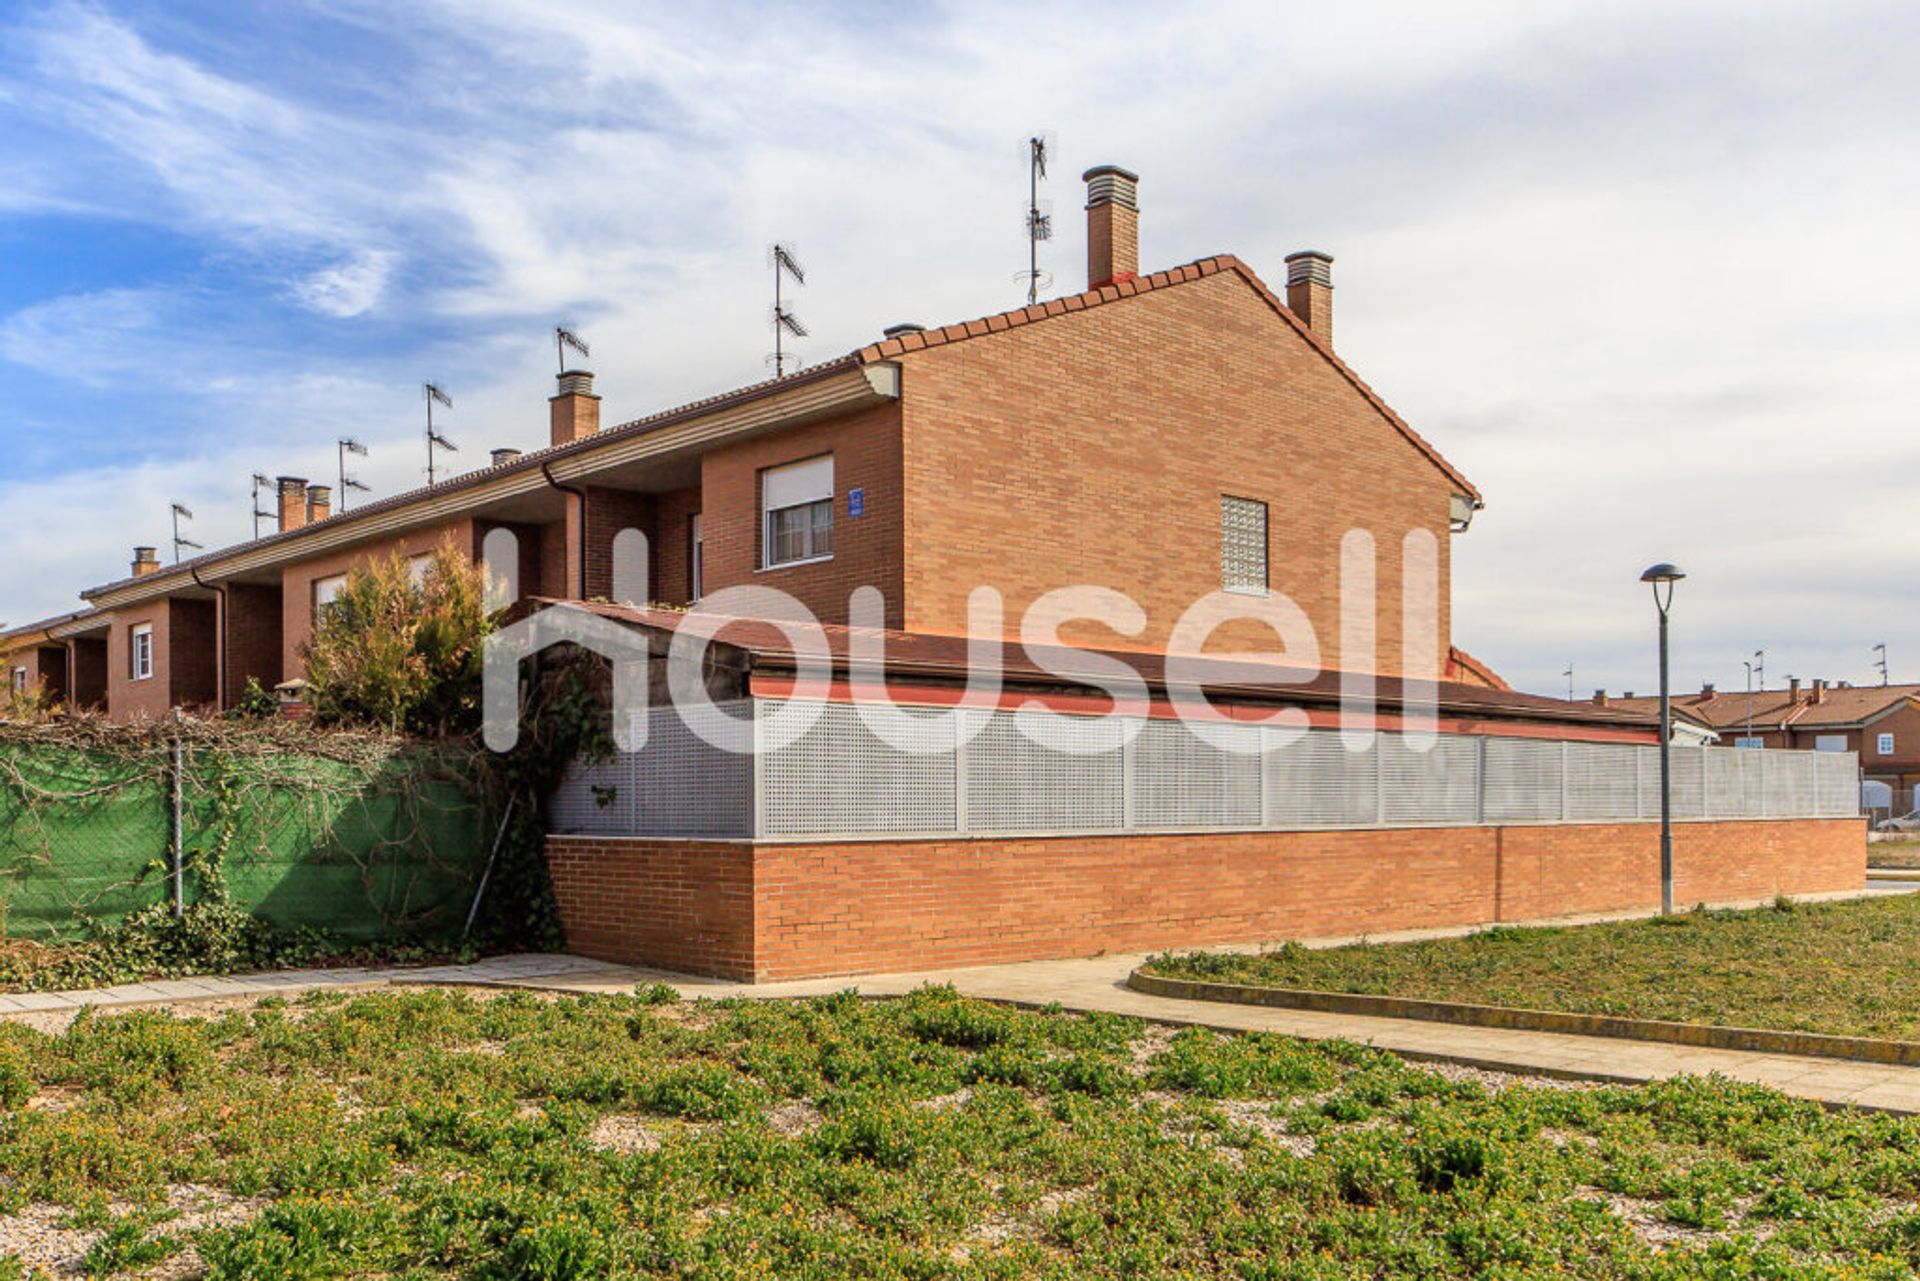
{"x": 180, "y": 540}
{"x": 1569, "y": 675}
{"x": 784, "y": 321}
{"x": 348, "y": 445}
{"x": 434, "y": 438}
{"x": 259, "y": 483}
{"x": 1881, "y": 662}
{"x": 1039, "y": 221}
{"x": 564, "y": 338}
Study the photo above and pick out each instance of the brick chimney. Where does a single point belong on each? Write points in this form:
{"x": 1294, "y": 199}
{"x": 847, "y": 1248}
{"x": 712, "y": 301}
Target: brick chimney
{"x": 576, "y": 410}
{"x": 1600, "y": 698}
{"x": 1706, "y": 691}
{"x": 1819, "y": 692}
{"x": 1113, "y": 225}
{"x": 1310, "y": 291}
{"x": 1793, "y": 690}
{"x": 293, "y": 502}
{"x": 319, "y": 502}
{"x": 146, "y": 560}
{"x": 501, "y": 457}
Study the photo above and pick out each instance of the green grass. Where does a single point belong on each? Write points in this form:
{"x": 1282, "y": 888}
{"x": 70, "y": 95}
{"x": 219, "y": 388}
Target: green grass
{"x": 1849, "y": 968}
{"x": 434, "y": 1134}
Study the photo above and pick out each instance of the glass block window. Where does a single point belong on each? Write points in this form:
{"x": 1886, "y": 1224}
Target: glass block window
{"x": 1243, "y": 545}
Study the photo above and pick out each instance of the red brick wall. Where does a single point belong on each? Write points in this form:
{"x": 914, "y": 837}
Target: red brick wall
{"x": 296, "y": 581}
{"x": 254, "y": 620}
{"x": 127, "y": 698}
{"x": 673, "y": 546}
{"x": 192, "y": 651}
{"x": 608, "y": 512}
{"x": 682, "y": 905}
{"x": 1042, "y": 457}
{"x": 88, "y": 657}
{"x": 866, "y": 551}
{"x": 46, "y": 668}
{"x": 851, "y": 907}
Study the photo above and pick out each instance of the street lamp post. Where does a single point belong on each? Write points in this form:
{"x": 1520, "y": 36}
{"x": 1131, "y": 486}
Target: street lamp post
{"x": 1658, "y": 576}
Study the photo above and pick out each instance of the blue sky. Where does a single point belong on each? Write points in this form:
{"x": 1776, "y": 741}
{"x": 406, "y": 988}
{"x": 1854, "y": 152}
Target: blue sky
{"x": 1646, "y": 272}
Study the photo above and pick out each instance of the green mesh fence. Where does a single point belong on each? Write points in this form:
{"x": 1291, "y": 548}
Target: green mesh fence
{"x": 378, "y": 843}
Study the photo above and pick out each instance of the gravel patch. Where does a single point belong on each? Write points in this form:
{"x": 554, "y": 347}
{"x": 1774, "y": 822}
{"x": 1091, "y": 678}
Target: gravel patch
{"x": 39, "y": 1237}
{"x": 623, "y": 1133}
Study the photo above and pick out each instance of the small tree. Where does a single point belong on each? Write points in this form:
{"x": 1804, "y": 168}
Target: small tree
{"x": 400, "y": 652}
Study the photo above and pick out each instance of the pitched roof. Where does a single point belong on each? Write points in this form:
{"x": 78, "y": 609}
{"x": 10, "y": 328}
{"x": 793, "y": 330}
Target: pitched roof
{"x": 933, "y": 656}
{"x": 1841, "y": 707}
{"x": 1001, "y": 321}
{"x": 873, "y": 353}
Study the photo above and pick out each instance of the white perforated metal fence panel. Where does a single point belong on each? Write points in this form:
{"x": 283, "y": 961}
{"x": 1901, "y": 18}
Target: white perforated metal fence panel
{"x": 1180, "y": 780}
{"x": 1525, "y": 779}
{"x": 1438, "y": 785}
{"x": 1318, "y": 781}
{"x": 675, "y": 785}
{"x": 1014, "y": 784}
{"x": 840, "y": 779}
{"x": 1603, "y": 782}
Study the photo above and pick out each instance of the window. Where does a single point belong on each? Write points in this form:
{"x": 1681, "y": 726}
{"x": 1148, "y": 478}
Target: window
{"x": 797, "y": 503}
{"x": 1830, "y": 743}
{"x": 325, "y": 592}
{"x": 696, "y": 555}
{"x": 1886, "y": 745}
{"x": 417, "y": 567}
{"x": 19, "y": 680}
{"x": 1243, "y": 546}
{"x": 140, "y": 653}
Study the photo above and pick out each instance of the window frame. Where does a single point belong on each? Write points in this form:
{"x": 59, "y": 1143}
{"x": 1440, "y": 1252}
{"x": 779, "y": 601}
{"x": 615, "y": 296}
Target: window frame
{"x": 1884, "y": 744}
{"x": 1227, "y": 547}
{"x": 815, "y": 530}
{"x": 136, "y": 652}
{"x": 320, "y": 607}
{"x": 19, "y": 680}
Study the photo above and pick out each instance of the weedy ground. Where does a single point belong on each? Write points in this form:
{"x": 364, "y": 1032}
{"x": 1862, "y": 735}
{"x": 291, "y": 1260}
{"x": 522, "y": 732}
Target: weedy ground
{"x": 432, "y": 1133}
{"x": 1851, "y": 968}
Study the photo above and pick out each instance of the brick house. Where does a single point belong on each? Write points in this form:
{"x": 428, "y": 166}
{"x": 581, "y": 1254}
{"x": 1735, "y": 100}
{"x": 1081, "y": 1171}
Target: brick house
{"x": 1878, "y": 723}
{"x": 1162, "y": 436}
{"x": 1105, "y": 438}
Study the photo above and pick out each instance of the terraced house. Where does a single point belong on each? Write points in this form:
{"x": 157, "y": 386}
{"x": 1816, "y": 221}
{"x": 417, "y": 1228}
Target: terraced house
{"x": 1162, "y": 435}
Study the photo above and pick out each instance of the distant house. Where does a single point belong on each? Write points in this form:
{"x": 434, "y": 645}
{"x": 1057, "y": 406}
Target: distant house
{"x": 1880, "y": 722}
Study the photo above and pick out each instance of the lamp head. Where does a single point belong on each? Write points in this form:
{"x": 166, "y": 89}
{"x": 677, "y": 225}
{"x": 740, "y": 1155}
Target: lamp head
{"x": 1662, "y": 573}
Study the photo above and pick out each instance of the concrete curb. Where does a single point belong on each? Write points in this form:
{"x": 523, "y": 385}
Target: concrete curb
{"x": 1708, "y": 1036}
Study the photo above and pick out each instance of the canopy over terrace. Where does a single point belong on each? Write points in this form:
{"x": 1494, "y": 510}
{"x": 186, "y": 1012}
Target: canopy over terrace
{"x": 756, "y": 657}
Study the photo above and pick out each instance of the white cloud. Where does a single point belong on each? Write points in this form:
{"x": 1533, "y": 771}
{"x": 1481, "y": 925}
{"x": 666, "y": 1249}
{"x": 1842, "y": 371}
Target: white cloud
{"x": 347, "y": 288}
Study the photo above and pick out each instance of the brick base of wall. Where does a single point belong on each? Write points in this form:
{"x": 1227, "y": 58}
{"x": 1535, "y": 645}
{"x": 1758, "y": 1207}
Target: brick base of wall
{"x": 775, "y": 910}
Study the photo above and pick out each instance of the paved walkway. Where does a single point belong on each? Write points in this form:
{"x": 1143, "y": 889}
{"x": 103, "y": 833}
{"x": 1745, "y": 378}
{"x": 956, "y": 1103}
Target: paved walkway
{"x": 531, "y": 966}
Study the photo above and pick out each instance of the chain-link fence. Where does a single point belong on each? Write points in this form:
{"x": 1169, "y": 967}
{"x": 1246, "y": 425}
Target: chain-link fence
{"x": 365, "y": 839}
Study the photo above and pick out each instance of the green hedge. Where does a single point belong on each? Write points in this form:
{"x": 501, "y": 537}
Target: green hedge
{"x": 370, "y": 842}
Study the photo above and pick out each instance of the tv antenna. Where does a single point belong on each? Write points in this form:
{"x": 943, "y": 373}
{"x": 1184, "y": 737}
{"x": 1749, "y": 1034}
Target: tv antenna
{"x": 181, "y": 540}
{"x": 434, "y": 438}
{"x": 1039, "y": 216}
{"x": 1569, "y": 675}
{"x": 348, "y": 445}
{"x": 259, "y": 483}
{"x": 1881, "y": 662}
{"x": 564, "y": 338}
{"x": 785, "y": 323}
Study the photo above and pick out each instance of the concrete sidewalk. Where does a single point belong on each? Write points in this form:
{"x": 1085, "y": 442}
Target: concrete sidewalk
{"x": 494, "y": 970}
{"x": 1100, "y": 984}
